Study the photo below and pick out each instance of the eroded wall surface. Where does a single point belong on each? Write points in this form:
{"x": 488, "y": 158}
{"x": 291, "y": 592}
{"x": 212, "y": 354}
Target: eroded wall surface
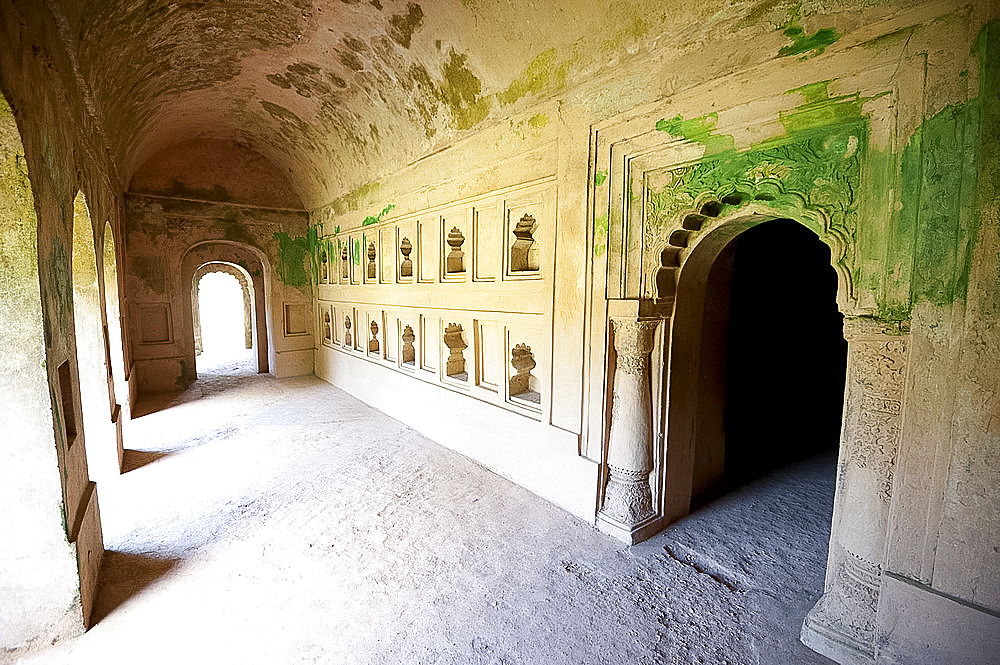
{"x": 56, "y": 535}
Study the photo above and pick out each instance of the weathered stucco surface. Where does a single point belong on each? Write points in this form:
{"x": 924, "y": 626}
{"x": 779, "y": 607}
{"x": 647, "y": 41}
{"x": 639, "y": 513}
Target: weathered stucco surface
{"x": 446, "y": 204}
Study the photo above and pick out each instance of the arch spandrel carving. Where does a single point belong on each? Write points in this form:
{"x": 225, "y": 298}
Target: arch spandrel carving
{"x": 814, "y": 181}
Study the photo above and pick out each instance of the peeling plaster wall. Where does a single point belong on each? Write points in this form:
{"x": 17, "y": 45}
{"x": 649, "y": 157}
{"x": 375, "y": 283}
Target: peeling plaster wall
{"x": 161, "y": 232}
{"x": 62, "y": 153}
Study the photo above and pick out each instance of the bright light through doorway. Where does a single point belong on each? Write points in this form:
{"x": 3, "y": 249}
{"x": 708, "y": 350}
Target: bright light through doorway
{"x": 222, "y": 322}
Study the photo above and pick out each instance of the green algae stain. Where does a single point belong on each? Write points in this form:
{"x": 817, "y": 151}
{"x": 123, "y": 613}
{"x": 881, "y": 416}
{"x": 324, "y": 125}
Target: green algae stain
{"x": 700, "y": 130}
{"x": 353, "y": 199}
{"x": 461, "y": 91}
{"x": 819, "y": 109}
{"x": 543, "y": 75}
{"x": 600, "y": 177}
{"x": 803, "y": 43}
{"x": 295, "y": 256}
{"x": 375, "y": 219}
{"x": 601, "y": 235}
{"x": 538, "y": 121}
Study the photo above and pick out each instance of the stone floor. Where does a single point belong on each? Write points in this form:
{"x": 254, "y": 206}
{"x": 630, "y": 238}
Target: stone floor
{"x": 282, "y": 521}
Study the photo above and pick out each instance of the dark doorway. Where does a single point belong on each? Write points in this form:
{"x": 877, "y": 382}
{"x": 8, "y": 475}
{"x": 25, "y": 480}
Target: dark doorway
{"x": 773, "y": 336}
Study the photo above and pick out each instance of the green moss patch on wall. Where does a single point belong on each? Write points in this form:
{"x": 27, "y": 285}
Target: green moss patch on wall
{"x": 375, "y": 219}
{"x": 802, "y": 42}
{"x": 296, "y": 256}
{"x": 353, "y": 199}
{"x": 543, "y": 75}
{"x": 461, "y": 91}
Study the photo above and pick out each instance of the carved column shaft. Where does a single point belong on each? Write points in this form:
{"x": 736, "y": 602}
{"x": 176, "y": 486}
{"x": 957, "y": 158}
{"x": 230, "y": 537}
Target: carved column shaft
{"x": 627, "y": 497}
{"x": 842, "y": 625}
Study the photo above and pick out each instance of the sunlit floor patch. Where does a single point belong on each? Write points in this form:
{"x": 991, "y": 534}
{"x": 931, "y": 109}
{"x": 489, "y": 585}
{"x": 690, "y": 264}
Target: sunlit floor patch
{"x": 283, "y": 521}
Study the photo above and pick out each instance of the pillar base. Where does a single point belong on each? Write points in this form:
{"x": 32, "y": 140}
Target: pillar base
{"x": 827, "y": 640}
{"x": 630, "y": 534}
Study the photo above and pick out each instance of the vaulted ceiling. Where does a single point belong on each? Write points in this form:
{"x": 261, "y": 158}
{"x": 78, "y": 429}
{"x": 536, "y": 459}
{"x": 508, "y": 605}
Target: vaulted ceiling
{"x": 334, "y": 92}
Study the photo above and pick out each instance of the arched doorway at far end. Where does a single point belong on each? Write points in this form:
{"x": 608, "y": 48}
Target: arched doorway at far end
{"x": 771, "y": 357}
{"x": 223, "y": 314}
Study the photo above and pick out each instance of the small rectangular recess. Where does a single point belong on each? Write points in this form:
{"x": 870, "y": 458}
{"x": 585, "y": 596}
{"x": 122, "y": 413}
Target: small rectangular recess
{"x": 486, "y": 254}
{"x": 325, "y": 327}
{"x": 525, "y": 393}
{"x": 408, "y": 348}
{"x": 406, "y": 264}
{"x": 489, "y": 355}
{"x": 343, "y": 261}
{"x": 430, "y": 352}
{"x": 369, "y": 267}
{"x": 155, "y": 323}
{"x": 427, "y": 254}
{"x": 295, "y": 319}
{"x": 522, "y": 256}
{"x": 355, "y": 259}
{"x": 67, "y": 403}
{"x": 387, "y": 254}
{"x": 455, "y": 260}
{"x": 390, "y": 342}
{"x": 336, "y": 324}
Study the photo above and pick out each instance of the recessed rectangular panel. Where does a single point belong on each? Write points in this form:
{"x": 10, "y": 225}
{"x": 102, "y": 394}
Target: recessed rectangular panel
{"x": 154, "y": 323}
{"x": 525, "y": 222}
{"x": 356, "y": 253}
{"x": 489, "y": 355}
{"x": 430, "y": 344}
{"x": 369, "y": 257}
{"x": 325, "y": 324}
{"x": 427, "y": 254}
{"x": 343, "y": 261}
{"x": 387, "y": 254}
{"x": 296, "y": 319}
{"x": 390, "y": 340}
{"x": 336, "y": 324}
{"x": 409, "y": 343}
{"x": 486, "y": 251}
{"x": 405, "y": 251}
{"x": 455, "y": 245}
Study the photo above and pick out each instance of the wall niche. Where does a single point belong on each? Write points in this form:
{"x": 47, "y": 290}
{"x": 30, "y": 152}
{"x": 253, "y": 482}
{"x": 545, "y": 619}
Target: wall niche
{"x": 373, "y": 346}
{"x": 327, "y": 327}
{"x": 409, "y": 351}
{"x": 348, "y": 336}
{"x": 345, "y": 263}
{"x": 455, "y": 365}
{"x": 405, "y": 265}
{"x": 455, "y": 261}
{"x": 372, "y": 266}
{"x": 524, "y": 250}
{"x": 324, "y": 268}
{"x": 524, "y": 385}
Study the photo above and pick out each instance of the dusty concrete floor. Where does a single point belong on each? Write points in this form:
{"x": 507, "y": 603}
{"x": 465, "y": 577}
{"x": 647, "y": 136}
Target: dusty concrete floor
{"x": 282, "y": 521}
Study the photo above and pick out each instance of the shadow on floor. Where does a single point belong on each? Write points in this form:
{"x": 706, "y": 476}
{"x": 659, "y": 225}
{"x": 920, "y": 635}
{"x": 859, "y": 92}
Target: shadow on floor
{"x": 153, "y": 402}
{"x": 123, "y": 576}
{"x": 135, "y": 459}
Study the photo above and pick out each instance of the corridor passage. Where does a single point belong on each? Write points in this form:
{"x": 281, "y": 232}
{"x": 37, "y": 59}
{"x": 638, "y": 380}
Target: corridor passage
{"x": 283, "y": 521}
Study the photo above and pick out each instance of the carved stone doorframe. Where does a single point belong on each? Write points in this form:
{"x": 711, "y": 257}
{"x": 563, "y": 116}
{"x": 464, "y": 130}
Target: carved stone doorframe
{"x": 843, "y": 623}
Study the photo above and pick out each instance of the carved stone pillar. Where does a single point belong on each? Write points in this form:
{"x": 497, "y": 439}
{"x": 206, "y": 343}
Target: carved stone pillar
{"x": 842, "y": 625}
{"x": 627, "y": 505}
